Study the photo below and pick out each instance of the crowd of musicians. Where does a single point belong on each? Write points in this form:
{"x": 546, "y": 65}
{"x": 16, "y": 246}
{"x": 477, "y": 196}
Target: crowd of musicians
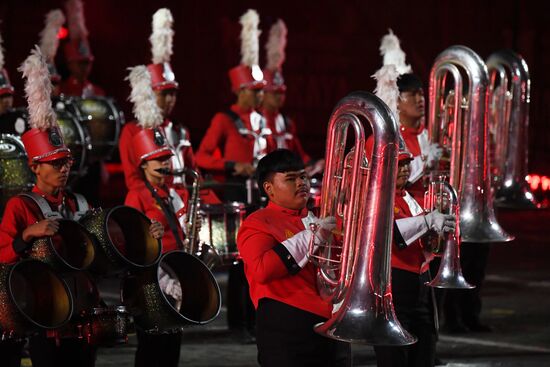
{"x": 252, "y": 151}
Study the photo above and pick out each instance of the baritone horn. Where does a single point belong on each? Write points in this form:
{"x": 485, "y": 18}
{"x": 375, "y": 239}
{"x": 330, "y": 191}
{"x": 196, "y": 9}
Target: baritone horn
{"x": 442, "y": 196}
{"x": 460, "y": 118}
{"x": 356, "y": 275}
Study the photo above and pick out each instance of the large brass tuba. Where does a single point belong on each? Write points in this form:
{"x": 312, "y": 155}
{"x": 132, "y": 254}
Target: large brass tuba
{"x": 359, "y": 279}
{"x": 509, "y": 123}
{"x": 465, "y": 129}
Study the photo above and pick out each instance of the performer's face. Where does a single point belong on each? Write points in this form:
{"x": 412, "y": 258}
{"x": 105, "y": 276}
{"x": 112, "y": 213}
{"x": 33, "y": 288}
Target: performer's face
{"x": 274, "y": 100}
{"x": 411, "y": 105}
{"x": 150, "y": 169}
{"x": 6, "y": 103}
{"x": 250, "y": 98}
{"x": 166, "y": 100}
{"x": 289, "y": 189}
{"x": 403, "y": 173}
{"x": 80, "y": 69}
{"x": 53, "y": 175}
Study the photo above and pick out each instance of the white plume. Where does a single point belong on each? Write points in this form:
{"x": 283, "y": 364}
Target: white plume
{"x": 391, "y": 50}
{"x": 250, "y": 34}
{"x": 76, "y": 20}
{"x": 386, "y": 87}
{"x": 146, "y": 110}
{"x": 162, "y": 35}
{"x": 1, "y": 53}
{"x": 48, "y": 36}
{"x": 275, "y": 46}
{"x": 38, "y": 89}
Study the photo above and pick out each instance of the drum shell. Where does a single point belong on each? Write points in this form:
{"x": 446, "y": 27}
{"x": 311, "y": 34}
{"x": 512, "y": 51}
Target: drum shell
{"x": 76, "y": 258}
{"x": 76, "y": 138}
{"x": 133, "y": 228}
{"x": 15, "y": 174}
{"x": 108, "y": 326}
{"x": 49, "y": 295}
{"x": 152, "y": 310}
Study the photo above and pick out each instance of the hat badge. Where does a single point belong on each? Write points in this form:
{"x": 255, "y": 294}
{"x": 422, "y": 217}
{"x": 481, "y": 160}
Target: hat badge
{"x": 55, "y": 138}
{"x": 158, "y": 138}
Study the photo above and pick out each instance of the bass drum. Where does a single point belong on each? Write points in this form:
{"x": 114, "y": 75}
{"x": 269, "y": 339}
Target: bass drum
{"x": 15, "y": 174}
{"x": 76, "y": 138}
{"x": 102, "y": 120}
{"x": 14, "y": 122}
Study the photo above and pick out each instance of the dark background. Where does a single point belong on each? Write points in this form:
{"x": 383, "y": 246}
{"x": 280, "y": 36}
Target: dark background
{"x": 332, "y": 50}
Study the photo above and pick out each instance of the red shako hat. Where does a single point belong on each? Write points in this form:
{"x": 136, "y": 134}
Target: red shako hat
{"x": 162, "y": 76}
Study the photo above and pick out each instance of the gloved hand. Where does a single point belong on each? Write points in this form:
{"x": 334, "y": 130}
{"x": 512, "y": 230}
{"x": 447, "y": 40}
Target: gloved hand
{"x": 298, "y": 244}
{"x": 440, "y": 223}
{"x": 433, "y": 154}
{"x": 170, "y": 285}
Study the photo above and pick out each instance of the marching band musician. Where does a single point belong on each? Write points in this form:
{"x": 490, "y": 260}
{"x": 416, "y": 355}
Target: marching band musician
{"x": 50, "y": 160}
{"x": 78, "y": 55}
{"x": 273, "y": 243}
{"x": 240, "y": 136}
{"x": 159, "y": 201}
{"x": 283, "y": 129}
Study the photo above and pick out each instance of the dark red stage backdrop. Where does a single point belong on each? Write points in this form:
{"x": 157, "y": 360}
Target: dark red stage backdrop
{"x": 332, "y": 49}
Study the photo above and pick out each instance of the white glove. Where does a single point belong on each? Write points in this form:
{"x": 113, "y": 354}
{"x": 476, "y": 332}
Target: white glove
{"x": 298, "y": 244}
{"x": 440, "y": 223}
{"x": 417, "y": 169}
{"x": 170, "y": 285}
{"x": 433, "y": 154}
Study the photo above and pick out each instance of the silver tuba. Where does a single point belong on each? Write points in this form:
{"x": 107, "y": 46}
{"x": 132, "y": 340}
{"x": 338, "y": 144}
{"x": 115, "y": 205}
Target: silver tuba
{"x": 465, "y": 129}
{"x": 508, "y": 126}
{"x": 357, "y": 274}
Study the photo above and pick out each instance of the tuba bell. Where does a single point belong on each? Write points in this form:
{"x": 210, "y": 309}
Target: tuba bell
{"x": 465, "y": 128}
{"x": 357, "y": 275}
{"x": 509, "y": 124}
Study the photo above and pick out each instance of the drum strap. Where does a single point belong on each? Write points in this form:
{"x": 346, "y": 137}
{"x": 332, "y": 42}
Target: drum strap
{"x": 81, "y": 205}
{"x": 169, "y": 213}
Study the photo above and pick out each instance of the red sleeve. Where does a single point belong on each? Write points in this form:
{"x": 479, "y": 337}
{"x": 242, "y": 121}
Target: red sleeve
{"x": 213, "y": 140}
{"x": 132, "y": 175}
{"x": 256, "y": 249}
{"x": 144, "y": 202}
{"x": 14, "y": 221}
{"x": 297, "y": 145}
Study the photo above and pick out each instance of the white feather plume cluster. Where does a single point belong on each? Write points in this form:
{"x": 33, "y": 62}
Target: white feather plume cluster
{"x": 162, "y": 35}
{"x": 275, "y": 46}
{"x": 48, "y": 37}
{"x": 76, "y": 20}
{"x": 250, "y": 38}
{"x": 386, "y": 87}
{"x": 1, "y": 53}
{"x": 38, "y": 89}
{"x": 391, "y": 50}
{"x": 146, "y": 110}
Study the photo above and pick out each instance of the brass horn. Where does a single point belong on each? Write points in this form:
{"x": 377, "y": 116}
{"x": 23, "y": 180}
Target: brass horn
{"x": 510, "y": 88}
{"x": 32, "y": 297}
{"x": 442, "y": 196}
{"x": 122, "y": 239}
{"x": 155, "y": 312}
{"x": 359, "y": 279}
{"x": 467, "y": 132}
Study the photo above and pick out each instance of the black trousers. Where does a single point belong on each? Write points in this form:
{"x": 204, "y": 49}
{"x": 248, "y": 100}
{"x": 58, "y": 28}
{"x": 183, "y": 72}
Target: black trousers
{"x": 240, "y": 310}
{"x": 285, "y": 338}
{"x": 413, "y": 303}
{"x": 463, "y": 306}
{"x": 162, "y": 350}
{"x": 69, "y": 353}
{"x": 11, "y": 352}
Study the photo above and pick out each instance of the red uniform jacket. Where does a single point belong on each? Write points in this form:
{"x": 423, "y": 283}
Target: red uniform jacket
{"x": 223, "y": 138}
{"x": 283, "y": 134}
{"x": 72, "y": 87}
{"x": 412, "y": 257}
{"x": 132, "y": 171}
{"x": 267, "y": 274}
{"x": 20, "y": 214}
{"x": 142, "y": 199}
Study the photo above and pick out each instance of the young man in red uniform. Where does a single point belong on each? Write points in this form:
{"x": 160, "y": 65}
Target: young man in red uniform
{"x": 412, "y": 299}
{"x": 78, "y": 55}
{"x": 283, "y": 129}
{"x": 165, "y": 88}
{"x": 273, "y": 243}
{"x": 238, "y": 138}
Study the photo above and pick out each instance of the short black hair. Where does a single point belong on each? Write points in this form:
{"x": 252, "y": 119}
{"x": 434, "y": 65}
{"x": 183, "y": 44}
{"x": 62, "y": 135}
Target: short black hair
{"x": 280, "y": 160}
{"x": 409, "y": 82}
